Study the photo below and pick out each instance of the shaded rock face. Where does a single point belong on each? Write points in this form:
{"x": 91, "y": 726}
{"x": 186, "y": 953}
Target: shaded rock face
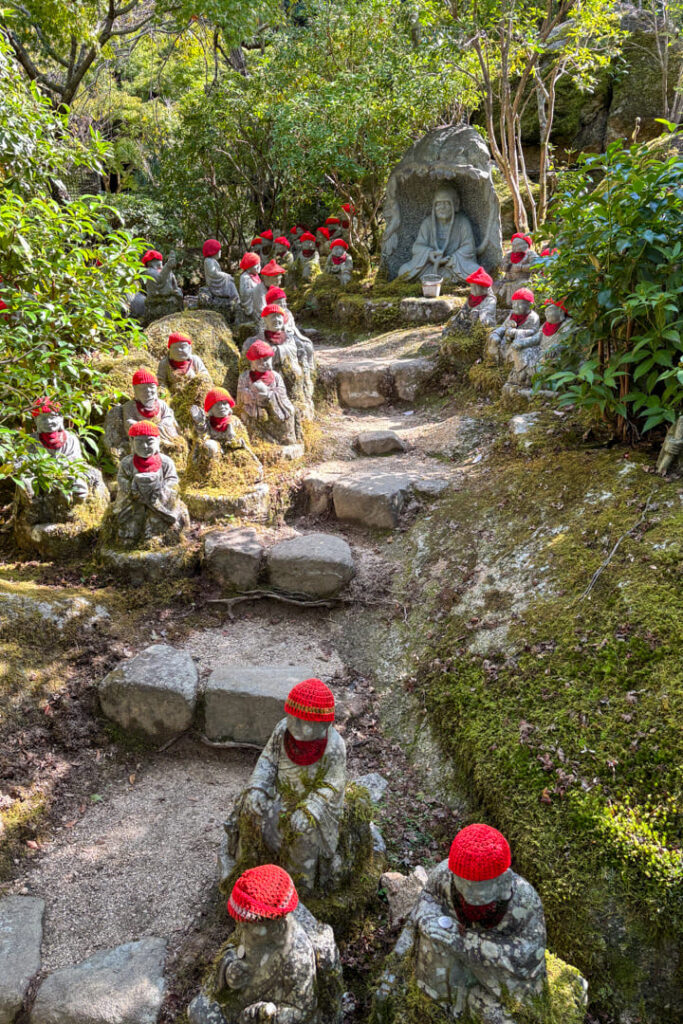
{"x": 21, "y": 933}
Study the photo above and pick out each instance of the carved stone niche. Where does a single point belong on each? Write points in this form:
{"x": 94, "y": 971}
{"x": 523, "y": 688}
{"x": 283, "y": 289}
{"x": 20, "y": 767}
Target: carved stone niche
{"x": 456, "y": 157}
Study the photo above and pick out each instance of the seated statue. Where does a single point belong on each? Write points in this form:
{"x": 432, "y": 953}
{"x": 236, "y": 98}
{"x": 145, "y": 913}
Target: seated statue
{"x": 322, "y": 240}
{"x": 308, "y": 261}
{"x": 334, "y": 226}
{"x": 285, "y": 357}
{"x": 479, "y": 307}
{"x": 256, "y": 245}
{"x": 339, "y": 263}
{"x": 221, "y": 454}
{"x": 219, "y": 283}
{"x": 304, "y": 345}
{"x": 262, "y": 401}
{"x": 445, "y": 243}
{"x": 147, "y": 506}
{"x": 49, "y": 522}
{"x": 180, "y": 365}
{"x": 279, "y": 965}
{"x": 522, "y": 323}
{"x": 476, "y": 931}
{"x": 527, "y": 351}
{"x": 272, "y": 274}
{"x": 163, "y": 293}
{"x": 282, "y": 253}
{"x": 517, "y": 267}
{"x": 671, "y": 455}
{"x": 145, "y": 405}
{"x": 295, "y": 234}
{"x": 266, "y": 243}
{"x": 252, "y": 289}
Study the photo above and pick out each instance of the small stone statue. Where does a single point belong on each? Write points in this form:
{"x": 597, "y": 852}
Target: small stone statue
{"x": 522, "y": 323}
{"x": 219, "y": 283}
{"x": 347, "y": 220}
{"x": 526, "y": 352}
{"x": 479, "y": 307}
{"x": 671, "y": 455}
{"x": 308, "y": 260}
{"x": 339, "y": 263}
{"x": 163, "y": 293}
{"x": 334, "y": 226}
{"x": 295, "y": 234}
{"x": 304, "y": 345}
{"x": 279, "y": 965}
{"x": 517, "y": 267}
{"x": 282, "y": 253}
{"x": 266, "y": 243}
{"x": 286, "y": 357}
{"x": 180, "y": 365}
{"x": 322, "y": 240}
{"x": 445, "y": 244}
{"x": 221, "y": 454}
{"x": 256, "y": 245}
{"x": 147, "y": 506}
{"x": 272, "y": 275}
{"x": 145, "y": 405}
{"x": 477, "y": 929}
{"x": 252, "y": 289}
{"x": 262, "y": 401}
{"x": 49, "y": 522}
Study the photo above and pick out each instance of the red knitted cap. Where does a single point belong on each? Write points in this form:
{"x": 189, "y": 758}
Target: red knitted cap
{"x": 339, "y": 243}
{"x": 307, "y": 237}
{"x": 150, "y": 255}
{"x": 274, "y": 293}
{"x": 263, "y": 893}
{"x": 175, "y": 338}
{"x": 557, "y": 302}
{"x": 211, "y": 247}
{"x": 479, "y": 853}
{"x": 218, "y": 395}
{"x": 332, "y": 220}
{"x": 480, "y": 277}
{"x": 259, "y": 350}
{"x": 144, "y": 377}
{"x": 323, "y": 231}
{"x": 45, "y": 404}
{"x": 267, "y": 234}
{"x": 523, "y": 293}
{"x": 272, "y": 269}
{"x": 272, "y": 308}
{"x": 348, "y": 207}
{"x": 250, "y": 259}
{"x": 294, "y": 230}
{"x": 144, "y": 428}
{"x": 518, "y": 234}
{"x": 281, "y": 240}
{"x": 256, "y": 241}
{"x": 312, "y": 701}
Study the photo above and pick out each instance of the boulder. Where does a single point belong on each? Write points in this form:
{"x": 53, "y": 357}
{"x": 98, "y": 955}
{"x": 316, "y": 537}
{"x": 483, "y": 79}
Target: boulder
{"x": 409, "y": 376}
{"x": 372, "y": 500}
{"x": 234, "y": 558}
{"x": 21, "y": 934}
{"x": 364, "y": 384}
{"x": 244, "y": 703}
{"x": 253, "y": 504}
{"x": 378, "y": 442}
{"x": 375, "y": 784}
{"x": 212, "y": 340}
{"x": 153, "y": 694}
{"x": 421, "y": 310}
{"x": 117, "y": 986}
{"x": 140, "y": 567}
{"x": 315, "y": 564}
{"x": 402, "y": 892}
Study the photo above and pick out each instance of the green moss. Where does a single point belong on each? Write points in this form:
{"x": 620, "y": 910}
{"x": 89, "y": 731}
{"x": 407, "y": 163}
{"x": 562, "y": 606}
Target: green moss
{"x": 212, "y": 340}
{"x": 486, "y": 380}
{"x": 21, "y": 822}
{"x": 460, "y": 350}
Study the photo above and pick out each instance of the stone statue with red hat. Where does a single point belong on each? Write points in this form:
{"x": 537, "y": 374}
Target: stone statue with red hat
{"x": 180, "y": 364}
{"x": 266, "y": 245}
{"x": 523, "y": 322}
{"x": 279, "y": 965}
{"x": 47, "y": 521}
{"x": 334, "y": 226}
{"x": 219, "y": 283}
{"x": 304, "y": 346}
{"x": 282, "y": 253}
{"x": 147, "y": 506}
{"x": 479, "y": 307}
{"x": 285, "y": 357}
{"x": 163, "y": 293}
{"x": 252, "y": 288}
{"x": 526, "y": 352}
{"x": 272, "y": 274}
{"x": 262, "y": 401}
{"x": 145, "y": 405}
{"x": 347, "y": 217}
{"x": 476, "y": 936}
{"x": 339, "y": 264}
{"x": 516, "y": 267}
{"x": 323, "y": 240}
{"x": 307, "y": 266}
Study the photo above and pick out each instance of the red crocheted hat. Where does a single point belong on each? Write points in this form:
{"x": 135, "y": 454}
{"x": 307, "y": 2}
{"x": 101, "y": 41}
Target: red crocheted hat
{"x": 250, "y": 259}
{"x": 211, "y": 247}
{"x": 271, "y": 309}
{"x": 176, "y": 338}
{"x": 267, "y": 234}
{"x": 557, "y": 302}
{"x": 263, "y": 893}
{"x": 256, "y": 241}
{"x": 332, "y": 220}
{"x": 307, "y": 237}
{"x": 339, "y": 243}
{"x": 523, "y": 293}
{"x": 274, "y": 293}
{"x": 281, "y": 240}
{"x": 312, "y": 701}
{"x": 218, "y": 395}
{"x": 480, "y": 277}
{"x": 259, "y": 350}
{"x": 479, "y": 853}
{"x": 323, "y": 231}
{"x": 348, "y": 207}
{"x": 518, "y": 234}
{"x": 272, "y": 269}
{"x": 150, "y": 255}
{"x": 144, "y": 377}
{"x": 45, "y": 404}
{"x": 144, "y": 428}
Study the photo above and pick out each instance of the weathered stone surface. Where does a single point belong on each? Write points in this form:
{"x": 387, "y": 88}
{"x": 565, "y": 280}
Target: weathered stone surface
{"x": 402, "y": 892}
{"x": 212, "y": 340}
{"x": 523, "y": 423}
{"x": 117, "y": 986}
{"x": 21, "y": 933}
{"x": 420, "y": 310}
{"x": 234, "y": 558}
{"x": 315, "y": 564}
{"x": 244, "y": 703}
{"x": 29, "y": 603}
{"x": 378, "y": 442}
{"x": 153, "y": 693}
{"x": 138, "y": 567}
{"x": 363, "y": 385}
{"x": 409, "y": 375}
{"x": 318, "y": 493}
{"x": 374, "y": 500}
{"x": 208, "y": 508}
{"x": 430, "y": 487}
{"x": 375, "y": 784}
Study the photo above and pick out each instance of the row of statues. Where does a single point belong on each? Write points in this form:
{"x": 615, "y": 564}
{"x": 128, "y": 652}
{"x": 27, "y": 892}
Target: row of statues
{"x": 475, "y": 937}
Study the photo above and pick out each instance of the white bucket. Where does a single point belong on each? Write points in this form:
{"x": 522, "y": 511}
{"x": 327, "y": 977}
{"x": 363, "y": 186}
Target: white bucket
{"x": 431, "y": 286}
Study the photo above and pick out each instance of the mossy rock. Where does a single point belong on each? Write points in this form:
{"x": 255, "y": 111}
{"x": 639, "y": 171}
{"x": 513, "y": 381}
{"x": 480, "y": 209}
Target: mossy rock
{"x": 486, "y": 380}
{"x": 212, "y": 340}
{"x": 119, "y": 371}
{"x": 460, "y": 350}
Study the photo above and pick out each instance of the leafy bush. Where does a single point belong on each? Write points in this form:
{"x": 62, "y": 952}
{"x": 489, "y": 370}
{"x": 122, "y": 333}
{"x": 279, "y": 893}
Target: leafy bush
{"x": 620, "y": 263}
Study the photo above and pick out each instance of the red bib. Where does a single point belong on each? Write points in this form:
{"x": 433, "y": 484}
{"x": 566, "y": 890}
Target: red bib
{"x": 307, "y": 252}
{"x": 337, "y": 260}
{"x": 550, "y": 329}
{"x": 148, "y": 464}
{"x": 475, "y": 300}
{"x": 517, "y": 257}
{"x": 304, "y": 751}
{"x": 519, "y": 318}
{"x": 267, "y": 376}
{"x": 148, "y": 414}
{"x": 219, "y": 423}
{"x": 54, "y": 440}
{"x": 255, "y": 278}
{"x": 488, "y": 915}
{"x": 275, "y": 337}
{"x": 182, "y": 367}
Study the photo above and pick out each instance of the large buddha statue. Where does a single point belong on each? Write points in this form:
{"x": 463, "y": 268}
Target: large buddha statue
{"x": 445, "y": 244}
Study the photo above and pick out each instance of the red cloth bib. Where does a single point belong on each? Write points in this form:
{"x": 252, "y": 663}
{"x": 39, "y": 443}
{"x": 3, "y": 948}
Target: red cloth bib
{"x": 148, "y": 414}
{"x": 53, "y": 440}
{"x": 517, "y": 257}
{"x": 519, "y": 318}
{"x": 150, "y": 464}
{"x": 275, "y": 337}
{"x": 255, "y": 278}
{"x": 219, "y": 423}
{"x": 307, "y": 252}
{"x": 550, "y": 329}
{"x": 182, "y": 367}
{"x": 488, "y": 915}
{"x": 304, "y": 751}
{"x": 475, "y": 300}
{"x": 338, "y": 260}
{"x": 267, "y": 376}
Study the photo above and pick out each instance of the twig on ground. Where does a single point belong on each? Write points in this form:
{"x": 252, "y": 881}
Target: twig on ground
{"x": 599, "y": 571}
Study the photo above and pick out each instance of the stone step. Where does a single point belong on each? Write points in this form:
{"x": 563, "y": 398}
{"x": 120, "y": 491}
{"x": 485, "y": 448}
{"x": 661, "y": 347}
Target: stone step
{"x": 368, "y": 383}
{"x": 244, "y": 703}
{"x": 21, "y": 935}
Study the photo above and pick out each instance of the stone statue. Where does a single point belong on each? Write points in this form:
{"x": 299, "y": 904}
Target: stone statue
{"x": 334, "y": 226}
{"x": 221, "y": 455}
{"x": 476, "y": 930}
{"x": 163, "y": 293}
{"x": 279, "y": 965}
{"x": 219, "y": 283}
{"x": 479, "y": 307}
{"x": 295, "y": 234}
{"x": 517, "y": 267}
{"x": 339, "y": 263}
{"x": 145, "y": 405}
{"x": 348, "y": 218}
{"x": 262, "y": 401}
{"x": 49, "y": 522}
{"x": 671, "y": 455}
{"x": 526, "y": 352}
{"x": 256, "y": 245}
{"x": 322, "y": 241}
{"x": 285, "y": 357}
{"x": 304, "y": 346}
{"x": 308, "y": 261}
{"x": 282, "y": 253}
{"x": 147, "y": 506}
{"x": 522, "y": 323}
{"x": 252, "y": 289}
{"x": 445, "y": 243}
{"x": 266, "y": 242}
{"x": 180, "y": 365}
{"x": 272, "y": 274}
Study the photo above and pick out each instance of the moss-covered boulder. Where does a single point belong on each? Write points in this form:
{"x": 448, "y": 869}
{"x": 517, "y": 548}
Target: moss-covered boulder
{"x": 211, "y": 340}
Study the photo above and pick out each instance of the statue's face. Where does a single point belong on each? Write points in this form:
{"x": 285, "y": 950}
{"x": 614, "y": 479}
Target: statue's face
{"x": 180, "y": 351}
{"x": 271, "y": 279}
{"x": 521, "y": 306}
{"x": 554, "y": 315}
{"x": 280, "y": 250}
{"x": 220, "y": 409}
{"x": 262, "y": 365}
{"x": 443, "y": 208}
{"x": 303, "y": 730}
{"x": 480, "y": 893}
{"x": 146, "y": 394}
{"x": 157, "y": 264}
{"x": 479, "y": 289}
{"x": 274, "y": 321}
{"x": 265, "y": 934}
{"x": 49, "y": 422}
{"x": 519, "y": 245}
{"x": 217, "y": 255}
{"x": 145, "y": 445}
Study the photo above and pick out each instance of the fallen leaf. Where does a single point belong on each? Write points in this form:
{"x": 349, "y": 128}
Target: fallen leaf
{"x": 546, "y": 797}
{"x": 131, "y": 778}
{"x": 32, "y": 844}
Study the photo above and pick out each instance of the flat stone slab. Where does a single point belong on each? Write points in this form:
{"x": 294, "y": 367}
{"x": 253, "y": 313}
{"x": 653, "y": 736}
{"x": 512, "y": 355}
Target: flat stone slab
{"x": 234, "y": 558}
{"x": 208, "y": 508}
{"x": 378, "y": 442}
{"x": 410, "y": 376}
{"x": 117, "y": 986}
{"x": 153, "y": 694}
{"x": 420, "y": 310}
{"x": 315, "y": 564}
{"x": 374, "y": 500}
{"x": 139, "y": 567}
{"x": 244, "y": 703}
{"x": 363, "y": 385}
{"x": 21, "y": 934}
